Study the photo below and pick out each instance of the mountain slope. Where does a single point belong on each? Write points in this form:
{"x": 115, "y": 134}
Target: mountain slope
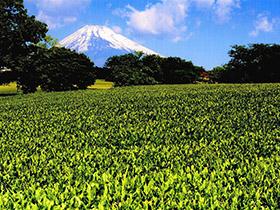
{"x": 101, "y": 42}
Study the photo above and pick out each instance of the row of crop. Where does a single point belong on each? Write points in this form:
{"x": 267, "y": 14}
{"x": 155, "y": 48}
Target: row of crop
{"x": 165, "y": 147}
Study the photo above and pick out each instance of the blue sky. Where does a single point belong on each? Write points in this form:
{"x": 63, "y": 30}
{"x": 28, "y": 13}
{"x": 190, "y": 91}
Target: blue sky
{"x": 198, "y": 30}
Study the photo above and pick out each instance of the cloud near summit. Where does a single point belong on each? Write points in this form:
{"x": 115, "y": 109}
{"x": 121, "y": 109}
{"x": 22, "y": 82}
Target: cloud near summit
{"x": 168, "y": 17}
{"x": 165, "y": 17}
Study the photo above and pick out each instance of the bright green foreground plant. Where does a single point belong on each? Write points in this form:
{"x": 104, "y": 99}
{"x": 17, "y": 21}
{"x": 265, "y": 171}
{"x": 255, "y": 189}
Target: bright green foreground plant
{"x": 162, "y": 147}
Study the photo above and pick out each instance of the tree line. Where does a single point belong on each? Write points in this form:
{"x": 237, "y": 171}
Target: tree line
{"x": 255, "y": 63}
{"x": 140, "y": 69}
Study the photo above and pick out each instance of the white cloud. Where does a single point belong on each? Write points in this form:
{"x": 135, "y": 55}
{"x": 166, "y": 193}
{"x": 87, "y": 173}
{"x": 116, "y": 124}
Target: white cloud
{"x": 263, "y": 24}
{"x": 50, "y": 21}
{"x": 57, "y": 13}
{"x": 204, "y": 3}
{"x": 224, "y": 8}
{"x": 54, "y": 21}
{"x": 177, "y": 39}
{"x": 69, "y": 19}
{"x": 117, "y": 29}
{"x": 180, "y": 37}
{"x": 169, "y": 17}
{"x": 165, "y": 17}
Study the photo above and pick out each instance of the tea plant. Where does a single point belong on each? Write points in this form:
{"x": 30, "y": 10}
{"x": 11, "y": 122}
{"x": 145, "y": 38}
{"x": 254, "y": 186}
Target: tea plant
{"x": 161, "y": 147}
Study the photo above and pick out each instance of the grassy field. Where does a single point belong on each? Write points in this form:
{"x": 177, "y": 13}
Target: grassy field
{"x": 8, "y": 89}
{"x": 102, "y": 85}
{"x": 12, "y": 88}
{"x": 157, "y": 147}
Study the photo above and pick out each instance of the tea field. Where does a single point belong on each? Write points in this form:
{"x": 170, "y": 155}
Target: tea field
{"x": 161, "y": 147}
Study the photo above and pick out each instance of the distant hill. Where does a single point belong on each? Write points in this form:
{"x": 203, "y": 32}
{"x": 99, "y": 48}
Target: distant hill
{"x": 101, "y": 42}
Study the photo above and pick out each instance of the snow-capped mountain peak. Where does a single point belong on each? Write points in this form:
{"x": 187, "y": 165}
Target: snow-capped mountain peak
{"x": 101, "y": 42}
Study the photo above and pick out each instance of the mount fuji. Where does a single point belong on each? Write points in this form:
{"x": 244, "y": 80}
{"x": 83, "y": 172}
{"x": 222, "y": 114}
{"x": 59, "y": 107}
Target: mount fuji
{"x": 100, "y": 42}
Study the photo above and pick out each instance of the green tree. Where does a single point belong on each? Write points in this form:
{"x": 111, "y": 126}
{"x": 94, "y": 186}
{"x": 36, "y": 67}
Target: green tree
{"x": 254, "y": 63}
{"x": 140, "y": 69}
{"x": 129, "y": 70}
{"x": 178, "y": 71}
{"x": 218, "y": 74}
{"x": 103, "y": 73}
{"x": 154, "y": 62}
{"x": 62, "y": 69}
{"x": 18, "y": 35}
{"x": 28, "y": 75}
{"x": 6, "y": 76}
{"x": 48, "y": 42}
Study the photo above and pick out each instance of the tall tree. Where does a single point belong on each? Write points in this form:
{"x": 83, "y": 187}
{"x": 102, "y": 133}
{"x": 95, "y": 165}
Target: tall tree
{"x": 129, "y": 70}
{"x": 62, "y": 69}
{"x": 254, "y": 63}
{"x": 18, "y": 35}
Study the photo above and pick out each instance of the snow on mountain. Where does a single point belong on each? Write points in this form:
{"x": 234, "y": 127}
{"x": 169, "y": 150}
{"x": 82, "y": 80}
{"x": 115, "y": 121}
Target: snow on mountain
{"x": 101, "y": 42}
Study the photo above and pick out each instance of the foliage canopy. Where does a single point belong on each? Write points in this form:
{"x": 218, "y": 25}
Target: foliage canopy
{"x": 140, "y": 69}
{"x": 256, "y": 63}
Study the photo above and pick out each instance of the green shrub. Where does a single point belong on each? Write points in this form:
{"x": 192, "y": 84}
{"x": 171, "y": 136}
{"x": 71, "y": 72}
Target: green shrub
{"x": 160, "y": 147}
